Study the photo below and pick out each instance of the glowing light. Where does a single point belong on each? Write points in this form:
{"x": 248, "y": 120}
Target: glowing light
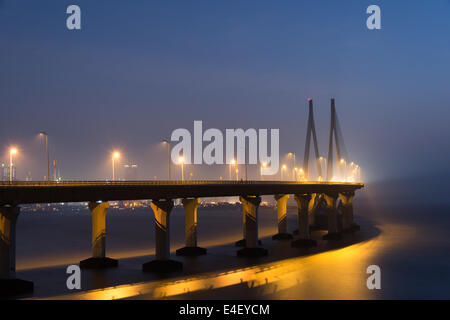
{"x": 233, "y": 162}
{"x": 284, "y": 166}
{"x": 181, "y": 160}
{"x": 116, "y": 155}
{"x": 13, "y": 151}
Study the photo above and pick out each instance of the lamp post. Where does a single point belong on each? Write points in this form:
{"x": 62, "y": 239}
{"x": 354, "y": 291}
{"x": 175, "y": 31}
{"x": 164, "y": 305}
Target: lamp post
{"x": 343, "y": 164}
{"x": 295, "y": 162}
{"x": 44, "y": 134}
{"x": 282, "y": 169}
{"x": 237, "y": 174}
{"x": 301, "y": 173}
{"x": 181, "y": 161}
{"x": 324, "y": 168}
{"x": 11, "y": 153}
{"x": 263, "y": 165}
{"x": 232, "y": 163}
{"x": 168, "y": 157}
{"x": 114, "y": 156}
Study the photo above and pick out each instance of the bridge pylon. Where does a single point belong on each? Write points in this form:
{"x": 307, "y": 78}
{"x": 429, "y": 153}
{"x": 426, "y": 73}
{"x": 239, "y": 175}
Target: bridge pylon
{"x": 311, "y": 131}
{"x": 334, "y": 140}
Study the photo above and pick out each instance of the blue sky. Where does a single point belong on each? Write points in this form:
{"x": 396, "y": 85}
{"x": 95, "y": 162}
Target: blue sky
{"x": 140, "y": 69}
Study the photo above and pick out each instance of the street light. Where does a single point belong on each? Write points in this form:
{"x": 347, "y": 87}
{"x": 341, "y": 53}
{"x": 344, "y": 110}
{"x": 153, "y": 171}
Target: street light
{"x": 44, "y": 134}
{"x": 168, "y": 156}
{"x": 232, "y": 163}
{"x": 263, "y": 165}
{"x": 12, "y": 151}
{"x": 181, "y": 161}
{"x": 302, "y": 173}
{"x": 237, "y": 174}
{"x": 282, "y": 168}
{"x": 115, "y": 155}
{"x": 293, "y": 154}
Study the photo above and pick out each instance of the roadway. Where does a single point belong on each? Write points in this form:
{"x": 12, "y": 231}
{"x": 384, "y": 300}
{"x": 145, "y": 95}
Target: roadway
{"x": 28, "y": 192}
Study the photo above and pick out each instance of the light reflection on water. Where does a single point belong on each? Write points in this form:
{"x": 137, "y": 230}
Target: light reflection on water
{"x": 337, "y": 274}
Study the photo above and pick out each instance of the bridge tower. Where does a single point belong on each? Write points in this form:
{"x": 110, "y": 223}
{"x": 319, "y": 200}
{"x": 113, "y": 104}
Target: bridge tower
{"x": 335, "y": 139}
{"x": 311, "y": 130}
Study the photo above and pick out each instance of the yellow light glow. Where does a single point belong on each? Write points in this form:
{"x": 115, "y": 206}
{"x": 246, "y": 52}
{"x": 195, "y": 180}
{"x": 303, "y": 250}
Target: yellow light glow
{"x": 233, "y": 162}
{"x": 180, "y": 159}
{"x": 13, "y": 151}
{"x": 116, "y": 155}
{"x": 284, "y": 166}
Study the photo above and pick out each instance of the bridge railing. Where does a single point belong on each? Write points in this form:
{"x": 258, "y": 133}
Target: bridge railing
{"x": 162, "y": 182}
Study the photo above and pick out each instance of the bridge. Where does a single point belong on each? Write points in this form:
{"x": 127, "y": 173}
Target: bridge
{"x": 98, "y": 194}
{"x": 335, "y": 196}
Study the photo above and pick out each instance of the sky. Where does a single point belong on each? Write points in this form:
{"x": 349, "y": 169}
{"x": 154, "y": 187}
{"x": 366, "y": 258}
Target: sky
{"x": 137, "y": 70}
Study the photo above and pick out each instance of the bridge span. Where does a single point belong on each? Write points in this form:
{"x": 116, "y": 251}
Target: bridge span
{"x": 337, "y": 197}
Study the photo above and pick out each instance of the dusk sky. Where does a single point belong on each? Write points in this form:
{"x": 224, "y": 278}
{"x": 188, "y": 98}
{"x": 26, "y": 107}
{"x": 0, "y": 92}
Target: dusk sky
{"x": 137, "y": 70}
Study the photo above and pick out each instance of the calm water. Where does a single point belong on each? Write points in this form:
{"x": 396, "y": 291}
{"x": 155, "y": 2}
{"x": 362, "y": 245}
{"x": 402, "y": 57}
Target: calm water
{"x": 410, "y": 244}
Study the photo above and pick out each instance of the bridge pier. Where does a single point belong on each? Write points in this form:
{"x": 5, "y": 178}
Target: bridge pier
{"x": 333, "y": 228}
{"x": 191, "y": 248}
{"x": 282, "y": 218}
{"x": 315, "y": 200}
{"x": 98, "y": 259}
{"x": 348, "y": 224}
{"x": 250, "y": 206}
{"x": 303, "y": 208}
{"x": 162, "y": 263}
{"x": 9, "y": 285}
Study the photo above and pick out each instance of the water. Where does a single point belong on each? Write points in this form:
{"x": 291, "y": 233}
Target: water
{"x": 409, "y": 243}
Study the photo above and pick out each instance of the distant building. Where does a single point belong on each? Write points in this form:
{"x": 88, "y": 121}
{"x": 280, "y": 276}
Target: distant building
{"x": 130, "y": 171}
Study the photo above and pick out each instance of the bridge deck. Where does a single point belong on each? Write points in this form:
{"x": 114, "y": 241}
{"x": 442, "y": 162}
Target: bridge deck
{"x": 26, "y": 192}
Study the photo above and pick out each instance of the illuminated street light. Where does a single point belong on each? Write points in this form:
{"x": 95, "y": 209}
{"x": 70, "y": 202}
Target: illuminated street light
{"x": 115, "y": 155}
{"x": 44, "y": 134}
{"x": 232, "y": 163}
{"x": 263, "y": 165}
{"x": 282, "y": 169}
{"x": 237, "y": 174}
{"x": 12, "y": 151}
{"x": 168, "y": 157}
{"x": 293, "y": 166}
{"x": 302, "y": 174}
{"x": 181, "y": 161}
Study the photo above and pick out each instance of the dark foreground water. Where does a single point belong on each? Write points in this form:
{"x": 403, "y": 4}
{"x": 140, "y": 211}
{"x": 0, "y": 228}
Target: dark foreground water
{"x": 411, "y": 245}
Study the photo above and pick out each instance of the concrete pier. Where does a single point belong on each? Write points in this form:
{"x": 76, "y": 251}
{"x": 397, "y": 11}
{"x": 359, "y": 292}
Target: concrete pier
{"x": 282, "y": 217}
{"x": 303, "y": 209}
{"x": 9, "y": 285}
{"x": 191, "y": 248}
{"x": 162, "y": 263}
{"x": 250, "y": 206}
{"x": 333, "y": 229}
{"x": 348, "y": 224}
{"x": 313, "y": 204}
{"x": 98, "y": 259}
